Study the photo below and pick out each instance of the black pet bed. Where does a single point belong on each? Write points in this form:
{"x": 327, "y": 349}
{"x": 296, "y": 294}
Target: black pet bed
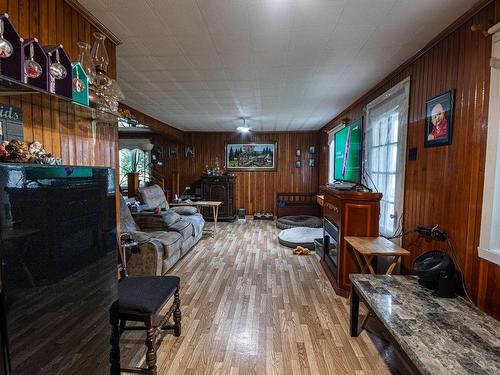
{"x": 287, "y": 222}
{"x": 300, "y": 236}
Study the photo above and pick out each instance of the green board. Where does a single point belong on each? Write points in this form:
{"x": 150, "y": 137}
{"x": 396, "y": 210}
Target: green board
{"x": 80, "y": 85}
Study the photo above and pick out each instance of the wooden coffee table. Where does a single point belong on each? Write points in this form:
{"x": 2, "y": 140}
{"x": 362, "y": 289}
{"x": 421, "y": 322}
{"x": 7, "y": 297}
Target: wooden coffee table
{"x": 199, "y": 204}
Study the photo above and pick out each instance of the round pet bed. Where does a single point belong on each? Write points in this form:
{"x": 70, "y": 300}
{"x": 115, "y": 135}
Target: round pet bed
{"x": 300, "y": 236}
{"x": 286, "y": 222}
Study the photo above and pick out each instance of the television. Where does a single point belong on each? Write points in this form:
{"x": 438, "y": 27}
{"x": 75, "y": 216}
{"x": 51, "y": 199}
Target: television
{"x": 347, "y": 152}
{"x": 58, "y": 268}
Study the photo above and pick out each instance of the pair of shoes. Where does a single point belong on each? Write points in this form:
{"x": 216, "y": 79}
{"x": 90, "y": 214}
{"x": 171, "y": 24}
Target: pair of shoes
{"x": 299, "y": 250}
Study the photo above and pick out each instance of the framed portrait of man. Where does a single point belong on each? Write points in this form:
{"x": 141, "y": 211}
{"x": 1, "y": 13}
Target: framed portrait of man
{"x": 439, "y": 120}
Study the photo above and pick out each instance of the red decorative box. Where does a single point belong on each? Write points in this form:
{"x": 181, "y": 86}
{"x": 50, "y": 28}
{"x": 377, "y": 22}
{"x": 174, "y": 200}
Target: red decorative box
{"x": 41, "y": 58}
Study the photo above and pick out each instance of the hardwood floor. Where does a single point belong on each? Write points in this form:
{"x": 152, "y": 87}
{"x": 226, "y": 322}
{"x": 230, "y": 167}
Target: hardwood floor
{"x": 252, "y": 307}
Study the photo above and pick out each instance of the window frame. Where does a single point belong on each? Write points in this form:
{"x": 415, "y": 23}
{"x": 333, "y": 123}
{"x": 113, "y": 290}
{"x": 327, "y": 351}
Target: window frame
{"x": 401, "y": 92}
{"x": 489, "y": 240}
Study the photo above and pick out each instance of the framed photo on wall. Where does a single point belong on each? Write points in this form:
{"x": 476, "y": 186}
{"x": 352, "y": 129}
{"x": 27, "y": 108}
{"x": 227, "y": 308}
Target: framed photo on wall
{"x": 439, "y": 120}
{"x": 312, "y": 162}
{"x": 251, "y": 156}
{"x": 298, "y": 164}
{"x": 297, "y": 152}
{"x": 172, "y": 151}
{"x": 189, "y": 151}
{"x": 312, "y": 149}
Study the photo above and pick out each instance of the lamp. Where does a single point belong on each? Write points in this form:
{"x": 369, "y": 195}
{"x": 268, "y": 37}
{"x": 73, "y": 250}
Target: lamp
{"x": 244, "y": 128}
{"x": 101, "y": 82}
{"x": 435, "y": 270}
{"x": 147, "y": 146}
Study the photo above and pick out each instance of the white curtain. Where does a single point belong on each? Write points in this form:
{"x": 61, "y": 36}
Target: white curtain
{"x": 385, "y": 152}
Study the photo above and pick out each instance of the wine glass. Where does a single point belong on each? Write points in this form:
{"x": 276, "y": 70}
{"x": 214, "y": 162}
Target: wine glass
{"x": 6, "y": 48}
{"x": 57, "y": 70}
{"x": 32, "y": 69}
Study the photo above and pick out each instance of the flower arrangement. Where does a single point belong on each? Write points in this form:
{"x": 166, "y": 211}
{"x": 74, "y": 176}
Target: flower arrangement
{"x": 17, "y": 151}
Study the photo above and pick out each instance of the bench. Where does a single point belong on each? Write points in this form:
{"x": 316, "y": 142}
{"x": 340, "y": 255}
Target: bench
{"x": 434, "y": 335}
{"x": 296, "y": 204}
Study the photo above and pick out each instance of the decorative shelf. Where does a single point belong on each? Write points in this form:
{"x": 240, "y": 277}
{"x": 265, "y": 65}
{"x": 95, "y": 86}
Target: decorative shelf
{"x": 11, "y": 87}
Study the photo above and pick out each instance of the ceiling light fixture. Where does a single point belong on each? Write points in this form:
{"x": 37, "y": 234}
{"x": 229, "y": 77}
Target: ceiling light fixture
{"x": 244, "y": 128}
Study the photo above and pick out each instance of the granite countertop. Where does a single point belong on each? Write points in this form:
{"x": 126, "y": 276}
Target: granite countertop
{"x": 440, "y": 336}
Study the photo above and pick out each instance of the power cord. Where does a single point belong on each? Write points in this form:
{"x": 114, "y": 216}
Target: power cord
{"x": 439, "y": 235}
{"x": 455, "y": 260}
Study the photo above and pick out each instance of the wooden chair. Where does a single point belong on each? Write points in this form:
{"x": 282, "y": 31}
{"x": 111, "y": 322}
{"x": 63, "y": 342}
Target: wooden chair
{"x": 141, "y": 299}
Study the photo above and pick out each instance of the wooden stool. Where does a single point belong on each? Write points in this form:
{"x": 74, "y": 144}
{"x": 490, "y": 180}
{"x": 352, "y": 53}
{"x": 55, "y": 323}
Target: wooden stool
{"x": 140, "y": 299}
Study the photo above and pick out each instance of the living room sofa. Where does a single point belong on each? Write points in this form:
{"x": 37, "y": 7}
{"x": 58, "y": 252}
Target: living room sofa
{"x": 163, "y": 238}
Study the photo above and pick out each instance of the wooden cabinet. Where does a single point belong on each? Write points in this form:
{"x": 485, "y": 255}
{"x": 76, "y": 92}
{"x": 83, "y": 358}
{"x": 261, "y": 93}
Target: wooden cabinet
{"x": 219, "y": 188}
{"x": 353, "y": 213}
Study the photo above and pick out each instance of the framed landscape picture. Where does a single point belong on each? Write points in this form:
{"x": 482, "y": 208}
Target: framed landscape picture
{"x": 439, "y": 120}
{"x": 251, "y": 156}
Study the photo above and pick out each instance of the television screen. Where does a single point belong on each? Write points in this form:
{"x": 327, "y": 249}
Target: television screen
{"x": 347, "y": 161}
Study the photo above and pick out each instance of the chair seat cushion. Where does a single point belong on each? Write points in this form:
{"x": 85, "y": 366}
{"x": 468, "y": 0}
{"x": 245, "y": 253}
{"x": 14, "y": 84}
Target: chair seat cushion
{"x": 145, "y": 295}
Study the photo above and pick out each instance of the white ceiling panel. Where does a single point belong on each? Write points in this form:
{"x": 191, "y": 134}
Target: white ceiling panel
{"x": 283, "y": 64}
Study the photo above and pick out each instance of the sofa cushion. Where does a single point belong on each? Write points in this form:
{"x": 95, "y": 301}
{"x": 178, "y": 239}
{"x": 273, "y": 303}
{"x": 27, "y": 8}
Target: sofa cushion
{"x": 185, "y": 210}
{"x": 170, "y": 217}
{"x": 145, "y": 295}
{"x": 184, "y": 227}
{"x": 153, "y": 196}
{"x": 150, "y": 221}
{"x": 171, "y": 241}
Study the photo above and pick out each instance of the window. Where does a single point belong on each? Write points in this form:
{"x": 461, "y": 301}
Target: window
{"x": 135, "y": 157}
{"x": 489, "y": 241}
{"x": 384, "y": 153}
{"x": 135, "y": 161}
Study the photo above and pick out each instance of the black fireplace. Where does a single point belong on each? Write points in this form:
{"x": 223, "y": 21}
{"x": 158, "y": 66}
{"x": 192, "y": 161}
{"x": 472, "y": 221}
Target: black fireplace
{"x": 331, "y": 239}
{"x": 58, "y": 254}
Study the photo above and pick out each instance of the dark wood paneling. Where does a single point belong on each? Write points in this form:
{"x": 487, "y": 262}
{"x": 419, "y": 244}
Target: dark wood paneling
{"x": 444, "y": 185}
{"x": 64, "y": 134}
{"x": 255, "y": 191}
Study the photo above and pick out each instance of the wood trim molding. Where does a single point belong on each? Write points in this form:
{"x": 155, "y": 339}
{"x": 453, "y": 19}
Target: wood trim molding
{"x": 93, "y": 20}
{"x": 159, "y": 127}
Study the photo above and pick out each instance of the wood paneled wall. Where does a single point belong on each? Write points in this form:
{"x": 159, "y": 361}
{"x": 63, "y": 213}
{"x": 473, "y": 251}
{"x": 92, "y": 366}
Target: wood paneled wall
{"x": 75, "y": 140}
{"x": 444, "y": 185}
{"x": 256, "y": 191}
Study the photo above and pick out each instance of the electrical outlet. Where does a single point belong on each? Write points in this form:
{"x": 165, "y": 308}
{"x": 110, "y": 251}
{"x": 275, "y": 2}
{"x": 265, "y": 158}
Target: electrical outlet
{"x": 433, "y": 232}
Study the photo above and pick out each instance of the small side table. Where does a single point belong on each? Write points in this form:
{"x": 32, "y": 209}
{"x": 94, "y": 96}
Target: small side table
{"x": 199, "y": 204}
{"x": 366, "y": 248}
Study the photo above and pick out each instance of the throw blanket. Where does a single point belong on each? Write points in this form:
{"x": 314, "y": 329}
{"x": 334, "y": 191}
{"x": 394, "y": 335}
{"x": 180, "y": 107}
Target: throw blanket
{"x": 197, "y": 221}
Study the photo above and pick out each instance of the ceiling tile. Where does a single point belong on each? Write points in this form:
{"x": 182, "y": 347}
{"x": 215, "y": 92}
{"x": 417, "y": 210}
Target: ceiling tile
{"x": 287, "y": 64}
